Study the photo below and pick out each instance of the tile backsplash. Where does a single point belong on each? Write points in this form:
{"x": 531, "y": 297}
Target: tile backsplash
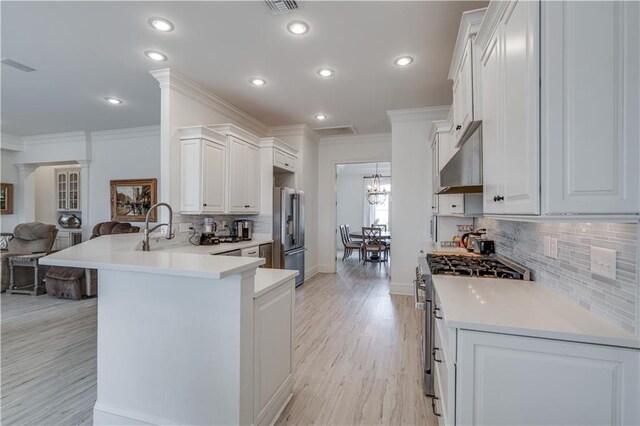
{"x": 616, "y": 300}
{"x": 262, "y": 224}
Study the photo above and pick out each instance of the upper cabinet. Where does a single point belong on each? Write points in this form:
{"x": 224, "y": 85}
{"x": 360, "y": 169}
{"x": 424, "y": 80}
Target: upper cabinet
{"x": 466, "y": 80}
{"x": 67, "y": 189}
{"x": 220, "y": 172}
{"x": 510, "y": 112}
{"x": 560, "y": 130}
{"x": 590, "y": 107}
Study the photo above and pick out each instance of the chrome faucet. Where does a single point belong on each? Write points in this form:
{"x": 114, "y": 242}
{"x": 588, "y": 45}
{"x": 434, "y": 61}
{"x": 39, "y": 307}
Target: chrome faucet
{"x": 147, "y": 231}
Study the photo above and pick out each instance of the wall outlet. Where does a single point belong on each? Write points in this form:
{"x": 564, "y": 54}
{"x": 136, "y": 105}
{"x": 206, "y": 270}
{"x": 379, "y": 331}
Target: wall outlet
{"x": 547, "y": 246}
{"x": 184, "y": 227}
{"x": 603, "y": 262}
{"x": 553, "y": 248}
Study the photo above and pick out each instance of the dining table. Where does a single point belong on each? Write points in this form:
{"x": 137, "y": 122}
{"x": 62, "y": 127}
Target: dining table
{"x": 384, "y": 235}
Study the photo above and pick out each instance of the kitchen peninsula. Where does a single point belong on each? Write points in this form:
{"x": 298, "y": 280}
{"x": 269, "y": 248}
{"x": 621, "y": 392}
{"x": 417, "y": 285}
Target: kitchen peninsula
{"x": 185, "y": 337}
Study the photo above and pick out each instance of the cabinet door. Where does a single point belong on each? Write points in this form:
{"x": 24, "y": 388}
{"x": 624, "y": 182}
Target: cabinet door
{"x": 74, "y": 190}
{"x": 451, "y": 204}
{"x": 236, "y": 175}
{"x": 493, "y": 155}
{"x": 213, "y": 177}
{"x": 521, "y": 110}
{"x": 463, "y": 94}
{"x": 252, "y": 178}
{"x": 503, "y": 379}
{"x": 191, "y": 180}
{"x": 62, "y": 190}
{"x": 590, "y": 106}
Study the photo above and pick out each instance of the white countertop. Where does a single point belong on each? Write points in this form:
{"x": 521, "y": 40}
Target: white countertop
{"x": 523, "y": 308}
{"x": 118, "y": 252}
{"x": 268, "y": 279}
{"x": 218, "y": 248}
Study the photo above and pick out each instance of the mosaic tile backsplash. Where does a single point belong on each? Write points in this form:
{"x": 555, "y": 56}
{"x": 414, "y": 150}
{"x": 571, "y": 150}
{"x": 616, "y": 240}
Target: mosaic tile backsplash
{"x": 616, "y": 300}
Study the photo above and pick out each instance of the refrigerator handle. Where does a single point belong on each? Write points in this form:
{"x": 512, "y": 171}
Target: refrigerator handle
{"x": 296, "y": 212}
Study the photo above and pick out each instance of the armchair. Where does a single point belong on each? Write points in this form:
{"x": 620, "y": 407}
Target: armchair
{"x": 28, "y": 238}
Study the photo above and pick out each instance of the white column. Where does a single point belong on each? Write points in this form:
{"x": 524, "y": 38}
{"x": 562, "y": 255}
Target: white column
{"x": 84, "y": 199}
{"x": 27, "y": 197}
{"x": 164, "y": 191}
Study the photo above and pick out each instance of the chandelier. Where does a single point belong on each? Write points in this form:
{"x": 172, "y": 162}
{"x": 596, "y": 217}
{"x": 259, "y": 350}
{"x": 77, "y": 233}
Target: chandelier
{"x": 375, "y": 193}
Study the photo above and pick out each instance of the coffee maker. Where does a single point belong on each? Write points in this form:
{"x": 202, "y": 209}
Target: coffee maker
{"x": 208, "y": 238}
{"x": 244, "y": 229}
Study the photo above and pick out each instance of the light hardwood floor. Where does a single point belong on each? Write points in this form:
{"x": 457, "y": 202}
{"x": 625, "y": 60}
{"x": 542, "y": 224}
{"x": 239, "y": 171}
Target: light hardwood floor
{"x": 357, "y": 355}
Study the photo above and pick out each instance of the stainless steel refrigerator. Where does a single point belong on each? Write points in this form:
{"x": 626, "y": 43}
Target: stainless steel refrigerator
{"x": 288, "y": 230}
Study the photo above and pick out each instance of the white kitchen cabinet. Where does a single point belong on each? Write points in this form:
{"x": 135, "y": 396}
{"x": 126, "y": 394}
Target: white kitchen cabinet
{"x": 273, "y": 347}
{"x": 67, "y": 189}
{"x": 510, "y": 92}
{"x": 451, "y": 204}
{"x": 590, "y": 107}
{"x": 203, "y": 183}
{"x": 506, "y": 379}
{"x": 67, "y": 238}
{"x": 283, "y": 160}
{"x": 244, "y": 177}
{"x": 463, "y": 95}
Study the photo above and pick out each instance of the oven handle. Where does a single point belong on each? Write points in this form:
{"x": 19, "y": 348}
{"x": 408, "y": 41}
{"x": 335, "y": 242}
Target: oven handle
{"x": 416, "y": 288}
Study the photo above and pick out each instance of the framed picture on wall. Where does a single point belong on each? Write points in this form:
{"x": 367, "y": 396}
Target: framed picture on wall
{"x": 6, "y": 198}
{"x": 131, "y": 199}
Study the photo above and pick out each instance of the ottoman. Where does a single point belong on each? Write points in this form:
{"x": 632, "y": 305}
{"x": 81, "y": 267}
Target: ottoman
{"x": 64, "y": 282}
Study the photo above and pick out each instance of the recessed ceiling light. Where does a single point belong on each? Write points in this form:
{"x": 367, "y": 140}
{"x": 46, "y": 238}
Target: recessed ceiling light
{"x": 321, "y": 117}
{"x": 258, "y": 81}
{"x": 155, "y": 56}
{"x": 161, "y": 24}
{"x": 403, "y": 61}
{"x": 326, "y": 72}
{"x": 113, "y": 101}
{"x": 298, "y": 27}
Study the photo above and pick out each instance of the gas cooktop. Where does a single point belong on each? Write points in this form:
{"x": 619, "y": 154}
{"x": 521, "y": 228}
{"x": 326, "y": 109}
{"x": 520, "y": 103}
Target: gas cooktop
{"x": 476, "y": 266}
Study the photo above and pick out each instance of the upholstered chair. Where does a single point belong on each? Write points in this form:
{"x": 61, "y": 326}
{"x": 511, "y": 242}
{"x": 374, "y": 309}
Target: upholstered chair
{"x": 28, "y": 238}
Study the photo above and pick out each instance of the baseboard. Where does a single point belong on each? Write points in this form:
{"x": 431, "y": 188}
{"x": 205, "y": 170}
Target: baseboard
{"x": 104, "y": 414}
{"x": 326, "y": 269}
{"x": 401, "y": 289}
{"x": 310, "y": 273}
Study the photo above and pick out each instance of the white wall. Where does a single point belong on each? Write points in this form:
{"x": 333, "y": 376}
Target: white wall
{"x": 350, "y": 201}
{"x": 45, "y": 202}
{"x": 10, "y": 175}
{"x": 411, "y": 206}
{"x": 119, "y": 154}
{"x": 334, "y": 151}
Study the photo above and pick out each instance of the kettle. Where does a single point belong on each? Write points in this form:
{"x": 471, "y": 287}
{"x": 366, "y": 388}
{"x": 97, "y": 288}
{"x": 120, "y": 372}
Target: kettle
{"x": 469, "y": 237}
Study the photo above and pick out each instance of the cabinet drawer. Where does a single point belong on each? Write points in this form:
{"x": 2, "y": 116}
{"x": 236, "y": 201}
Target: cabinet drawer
{"x": 445, "y": 370}
{"x": 285, "y": 161}
{"x": 436, "y": 402}
{"x": 446, "y": 334}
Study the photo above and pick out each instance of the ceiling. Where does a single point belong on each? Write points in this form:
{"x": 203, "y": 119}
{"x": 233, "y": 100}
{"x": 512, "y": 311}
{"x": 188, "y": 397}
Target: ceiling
{"x": 84, "y": 51}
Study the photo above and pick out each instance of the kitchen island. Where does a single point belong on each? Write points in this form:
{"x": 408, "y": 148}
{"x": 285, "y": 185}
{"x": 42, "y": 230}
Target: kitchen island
{"x": 187, "y": 338}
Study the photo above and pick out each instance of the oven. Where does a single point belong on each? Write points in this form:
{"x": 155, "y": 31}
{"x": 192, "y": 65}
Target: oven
{"x": 423, "y": 293}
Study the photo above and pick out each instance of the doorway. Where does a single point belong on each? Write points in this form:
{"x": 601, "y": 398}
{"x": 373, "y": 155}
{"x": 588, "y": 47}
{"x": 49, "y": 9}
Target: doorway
{"x": 355, "y": 210}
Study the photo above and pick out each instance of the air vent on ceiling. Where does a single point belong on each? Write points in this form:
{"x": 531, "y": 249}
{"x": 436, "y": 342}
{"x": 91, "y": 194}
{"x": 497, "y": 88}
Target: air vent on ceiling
{"x": 336, "y": 131}
{"x": 280, "y": 7}
{"x": 16, "y": 65}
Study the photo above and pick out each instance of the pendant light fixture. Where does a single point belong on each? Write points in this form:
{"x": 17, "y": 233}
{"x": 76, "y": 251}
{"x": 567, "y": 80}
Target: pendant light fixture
{"x": 375, "y": 193}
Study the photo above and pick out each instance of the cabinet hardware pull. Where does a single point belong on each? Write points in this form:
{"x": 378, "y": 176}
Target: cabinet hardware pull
{"x": 498, "y": 198}
{"x": 453, "y": 206}
{"x": 458, "y": 127}
{"x": 246, "y": 207}
{"x": 434, "y": 354}
{"x": 435, "y": 313}
{"x": 433, "y": 407}
{"x": 204, "y": 205}
{"x": 286, "y": 164}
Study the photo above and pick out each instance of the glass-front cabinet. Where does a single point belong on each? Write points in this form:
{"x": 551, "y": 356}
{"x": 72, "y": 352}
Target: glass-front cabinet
{"x": 68, "y": 189}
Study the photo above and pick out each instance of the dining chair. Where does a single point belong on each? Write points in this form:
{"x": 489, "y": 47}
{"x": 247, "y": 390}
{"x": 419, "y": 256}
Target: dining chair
{"x": 349, "y": 237}
{"x": 379, "y": 225}
{"x": 373, "y": 247}
{"x": 349, "y": 246}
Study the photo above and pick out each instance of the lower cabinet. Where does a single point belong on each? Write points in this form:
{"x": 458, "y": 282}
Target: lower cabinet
{"x": 273, "y": 351}
{"x": 505, "y": 379}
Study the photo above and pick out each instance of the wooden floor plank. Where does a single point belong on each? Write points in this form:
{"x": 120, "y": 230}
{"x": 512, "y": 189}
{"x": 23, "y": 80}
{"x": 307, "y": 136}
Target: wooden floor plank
{"x": 357, "y": 355}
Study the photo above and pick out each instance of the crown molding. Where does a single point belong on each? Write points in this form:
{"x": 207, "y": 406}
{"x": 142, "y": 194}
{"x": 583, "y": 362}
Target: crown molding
{"x": 354, "y": 139}
{"x": 418, "y": 114}
{"x": 229, "y": 129}
{"x": 129, "y": 133}
{"x": 273, "y": 142}
{"x": 492, "y": 17}
{"x": 439, "y": 126}
{"x": 293, "y": 130}
{"x": 202, "y": 132}
{"x": 68, "y": 137}
{"x": 169, "y": 79}
{"x": 11, "y": 143}
{"x": 469, "y": 27}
